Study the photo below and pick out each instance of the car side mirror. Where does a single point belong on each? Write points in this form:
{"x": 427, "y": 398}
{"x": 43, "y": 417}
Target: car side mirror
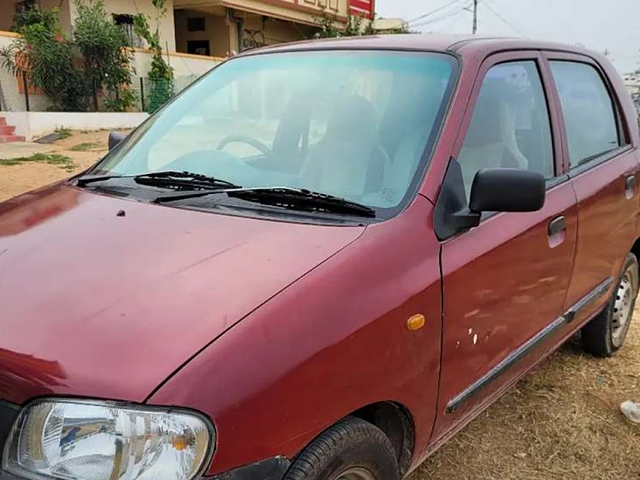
{"x": 507, "y": 190}
{"x": 115, "y": 138}
{"x": 492, "y": 190}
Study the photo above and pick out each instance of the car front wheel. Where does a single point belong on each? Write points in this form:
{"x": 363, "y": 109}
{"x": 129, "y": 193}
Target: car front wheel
{"x": 350, "y": 450}
{"x": 605, "y": 334}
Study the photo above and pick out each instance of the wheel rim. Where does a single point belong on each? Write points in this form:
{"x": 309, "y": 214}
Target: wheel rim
{"x": 356, "y": 474}
{"x": 623, "y": 304}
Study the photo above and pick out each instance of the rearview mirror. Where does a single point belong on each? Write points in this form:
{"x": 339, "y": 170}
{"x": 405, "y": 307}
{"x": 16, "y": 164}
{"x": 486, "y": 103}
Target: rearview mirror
{"x": 507, "y": 190}
{"x": 115, "y": 138}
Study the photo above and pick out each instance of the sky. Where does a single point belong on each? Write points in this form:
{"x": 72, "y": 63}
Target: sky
{"x": 602, "y": 25}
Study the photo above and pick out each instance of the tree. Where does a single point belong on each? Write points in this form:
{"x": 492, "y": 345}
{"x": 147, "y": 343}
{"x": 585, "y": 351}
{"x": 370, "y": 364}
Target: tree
{"x": 355, "y": 26}
{"x": 32, "y": 15}
{"x": 107, "y": 61}
{"x": 47, "y": 57}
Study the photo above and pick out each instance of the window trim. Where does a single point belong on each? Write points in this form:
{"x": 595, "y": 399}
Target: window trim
{"x": 599, "y": 160}
{"x": 622, "y": 127}
{"x": 556, "y": 135}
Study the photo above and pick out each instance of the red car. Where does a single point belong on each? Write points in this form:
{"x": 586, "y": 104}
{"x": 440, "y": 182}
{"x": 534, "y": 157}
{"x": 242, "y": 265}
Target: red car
{"x": 319, "y": 262}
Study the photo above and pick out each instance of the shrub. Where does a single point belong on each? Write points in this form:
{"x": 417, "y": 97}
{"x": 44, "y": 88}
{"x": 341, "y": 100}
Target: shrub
{"x": 72, "y": 71}
{"x": 160, "y": 75}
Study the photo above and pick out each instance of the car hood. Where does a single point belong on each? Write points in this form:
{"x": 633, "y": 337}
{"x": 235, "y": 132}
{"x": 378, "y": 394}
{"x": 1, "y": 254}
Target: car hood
{"x": 105, "y": 297}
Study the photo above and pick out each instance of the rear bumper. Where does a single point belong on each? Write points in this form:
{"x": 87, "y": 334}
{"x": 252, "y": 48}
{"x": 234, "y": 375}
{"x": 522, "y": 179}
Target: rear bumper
{"x": 271, "y": 469}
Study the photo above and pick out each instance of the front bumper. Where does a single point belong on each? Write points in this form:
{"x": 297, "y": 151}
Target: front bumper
{"x": 6, "y": 476}
{"x": 271, "y": 469}
{"x": 8, "y": 415}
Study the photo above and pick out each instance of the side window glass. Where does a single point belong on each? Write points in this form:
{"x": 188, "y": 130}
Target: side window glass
{"x": 510, "y": 127}
{"x": 588, "y": 111}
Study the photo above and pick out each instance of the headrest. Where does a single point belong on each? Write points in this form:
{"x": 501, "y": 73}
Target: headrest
{"x": 492, "y": 116}
{"x": 352, "y": 117}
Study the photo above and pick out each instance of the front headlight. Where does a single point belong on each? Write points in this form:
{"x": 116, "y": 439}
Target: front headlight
{"x": 91, "y": 440}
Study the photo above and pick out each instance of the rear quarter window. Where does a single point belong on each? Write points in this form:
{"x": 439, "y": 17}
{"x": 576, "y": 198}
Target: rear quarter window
{"x": 589, "y": 112}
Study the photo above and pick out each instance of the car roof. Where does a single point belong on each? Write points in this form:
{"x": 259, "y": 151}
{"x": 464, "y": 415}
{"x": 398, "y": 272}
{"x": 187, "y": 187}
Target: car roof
{"x": 460, "y": 44}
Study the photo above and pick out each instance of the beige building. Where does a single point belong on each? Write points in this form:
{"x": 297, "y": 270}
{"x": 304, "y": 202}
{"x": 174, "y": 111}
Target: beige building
{"x": 632, "y": 82}
{"x": 212, "y": 27}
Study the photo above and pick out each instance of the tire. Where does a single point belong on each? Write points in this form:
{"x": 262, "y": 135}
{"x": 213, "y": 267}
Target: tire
{"x": 605, "y": 334}
{"x": 350, "y": 450}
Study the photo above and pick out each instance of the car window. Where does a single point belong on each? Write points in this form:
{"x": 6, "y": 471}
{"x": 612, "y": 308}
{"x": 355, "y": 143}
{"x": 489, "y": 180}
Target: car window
{"x": 510, "y": 127}
{"x": 588, "y": 111}
{"x": 278, "y": 120}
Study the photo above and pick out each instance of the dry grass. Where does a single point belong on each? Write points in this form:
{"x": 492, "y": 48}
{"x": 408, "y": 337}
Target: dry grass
{"x": 562, "y": 421}
{"x": 84, "y": 147}
{"x": 56, "y": 159}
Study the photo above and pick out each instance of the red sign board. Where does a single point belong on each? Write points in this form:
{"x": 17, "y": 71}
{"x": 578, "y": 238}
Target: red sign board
{"x": 364, "y": 8}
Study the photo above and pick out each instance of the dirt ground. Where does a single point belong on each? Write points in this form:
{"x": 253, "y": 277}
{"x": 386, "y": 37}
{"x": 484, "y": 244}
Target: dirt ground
{"x": 15, "y": 179}
{"x": 562, "y": 421}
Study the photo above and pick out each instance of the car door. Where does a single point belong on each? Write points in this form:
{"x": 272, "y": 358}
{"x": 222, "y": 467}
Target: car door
{"x": 504, "y": 282}
{"x": 603, "y": 169}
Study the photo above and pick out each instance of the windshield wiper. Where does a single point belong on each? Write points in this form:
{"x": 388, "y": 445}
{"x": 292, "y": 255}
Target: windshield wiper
{"x": 294, "y": 198}
{"x": 87, "y": 179}
{"x": 182, "y": 180}
{"x": 169, "y": 178}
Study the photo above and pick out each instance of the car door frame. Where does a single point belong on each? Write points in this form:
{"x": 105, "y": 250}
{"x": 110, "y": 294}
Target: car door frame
{"x": 622, "y": 123}
{"x": 441, "y": 435}
{"x": 557, "y": 135}
{"x": 586, "y": 304}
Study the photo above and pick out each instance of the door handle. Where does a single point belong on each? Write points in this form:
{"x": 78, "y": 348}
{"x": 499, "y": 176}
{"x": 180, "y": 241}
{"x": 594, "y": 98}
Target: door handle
{"x": 557, "y": 225}
{"x": 630, "y": 186}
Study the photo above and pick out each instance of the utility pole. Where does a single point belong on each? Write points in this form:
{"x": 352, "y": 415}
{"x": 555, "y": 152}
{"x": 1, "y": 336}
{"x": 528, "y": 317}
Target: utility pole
{"x": 475, "y": 16}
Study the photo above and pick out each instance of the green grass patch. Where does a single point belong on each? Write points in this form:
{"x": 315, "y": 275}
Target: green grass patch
{"x": 63, "y": 133}
{"x": 83, "y": 147}
{"x": 61, "y": 161}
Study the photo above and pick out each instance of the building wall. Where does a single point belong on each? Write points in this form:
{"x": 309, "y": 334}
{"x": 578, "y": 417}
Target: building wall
{"x": 11, "y": 96}
{"x": 223, "y": 37}
{"x": 187, "y": 68}
{"x": 217, "y": 32}
{"x": 34, "y": 125}
{"x": 183, "y": 65}
{"x": 129, "y": 7}
{"x": 274, "y": 30}
{"x": 8, "y": 8}
{"x": 300, "y": 11}
{"x": 65, "y": 11}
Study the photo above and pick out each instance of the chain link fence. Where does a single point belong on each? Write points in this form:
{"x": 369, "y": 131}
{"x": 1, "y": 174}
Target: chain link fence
{"x": 152, "y": 94}
{"x": 18, "y": 94}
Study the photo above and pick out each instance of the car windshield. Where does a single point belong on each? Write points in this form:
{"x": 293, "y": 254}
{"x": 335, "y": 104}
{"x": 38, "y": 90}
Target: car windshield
{"x": 352, "y": 124}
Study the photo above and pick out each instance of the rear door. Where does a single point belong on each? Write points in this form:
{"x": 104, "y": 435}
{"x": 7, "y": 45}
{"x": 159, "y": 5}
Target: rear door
{"x": 505, "y": 281}
{"x": 603, "y": 168}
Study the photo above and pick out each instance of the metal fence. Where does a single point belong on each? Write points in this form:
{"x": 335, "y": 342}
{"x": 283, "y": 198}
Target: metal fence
{"x": 151, "y": 95}
{"x": 17, "y": 94}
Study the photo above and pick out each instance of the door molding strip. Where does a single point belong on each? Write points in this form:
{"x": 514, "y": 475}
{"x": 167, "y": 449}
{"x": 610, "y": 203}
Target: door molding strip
{"x": 588, "y": 299}
{"x": 528, "y": 347}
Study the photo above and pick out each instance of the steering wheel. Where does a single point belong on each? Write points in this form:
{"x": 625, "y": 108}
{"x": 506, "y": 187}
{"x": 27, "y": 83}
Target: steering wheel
{"x": 258, "y": 145}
